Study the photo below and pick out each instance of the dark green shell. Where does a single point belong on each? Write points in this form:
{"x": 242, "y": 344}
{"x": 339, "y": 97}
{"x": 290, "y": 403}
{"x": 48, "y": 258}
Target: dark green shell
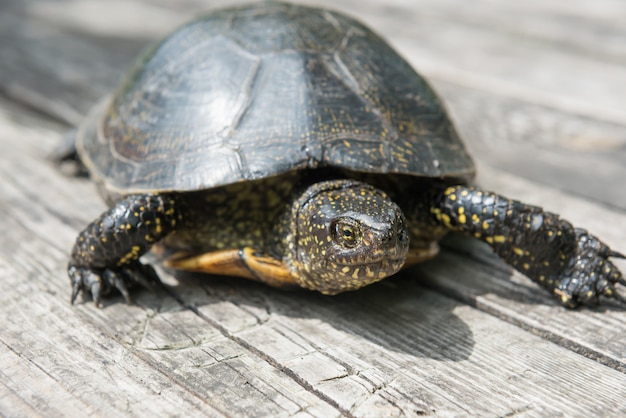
{"x": 265, "y": 89}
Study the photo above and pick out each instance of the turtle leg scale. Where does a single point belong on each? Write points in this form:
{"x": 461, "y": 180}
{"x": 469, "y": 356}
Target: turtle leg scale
{"x": 106, "y": 253}
{"x": 567, "y": 261}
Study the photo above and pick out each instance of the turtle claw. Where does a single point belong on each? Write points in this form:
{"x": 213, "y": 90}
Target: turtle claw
{"x": 117, "y": 280}
{"x": 77, "y": 283}
{"x": 590, "y": 274}
{"x": 615, "y": 254}
{"x": 144, "y": 276}
{"x": 100, "y": 283}
{"x": 96, "y": 294}
{"x": 82, "y": 279}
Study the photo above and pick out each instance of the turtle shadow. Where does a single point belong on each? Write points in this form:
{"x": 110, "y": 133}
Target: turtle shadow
{"x": 396, "y": 314}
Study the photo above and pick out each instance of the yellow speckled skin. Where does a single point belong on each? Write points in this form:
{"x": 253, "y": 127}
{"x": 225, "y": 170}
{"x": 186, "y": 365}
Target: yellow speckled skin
{"x": 569, "y": 262}
{"x": 295, "y": 218}
{"x": 342, "y": 235}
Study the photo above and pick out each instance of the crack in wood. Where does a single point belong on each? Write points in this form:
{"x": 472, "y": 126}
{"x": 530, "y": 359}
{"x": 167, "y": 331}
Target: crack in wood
{"x": 243, "y": 343}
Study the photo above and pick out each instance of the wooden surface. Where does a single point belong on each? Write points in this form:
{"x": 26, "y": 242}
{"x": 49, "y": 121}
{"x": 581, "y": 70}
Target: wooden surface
{"x": 538, "y": 90}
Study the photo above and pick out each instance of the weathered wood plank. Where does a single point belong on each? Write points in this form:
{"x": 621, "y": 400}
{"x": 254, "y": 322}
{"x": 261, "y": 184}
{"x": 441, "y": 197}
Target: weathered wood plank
{"x": 394, "y": 348}
{"x": 61, "y": 59}
{"x": 531, "y": 44}
{"x": 57, "y": 71}
{"x": 395, "y": 339}
{"x": 516, "y": 44}
{"x": 234, "y": 347}
{"x": 23, "y": 389}
{"x": 549, "y": 146}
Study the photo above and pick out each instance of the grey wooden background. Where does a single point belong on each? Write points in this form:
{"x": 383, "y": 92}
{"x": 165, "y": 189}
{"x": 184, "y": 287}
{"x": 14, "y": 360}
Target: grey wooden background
{"x": 538, "y": 90}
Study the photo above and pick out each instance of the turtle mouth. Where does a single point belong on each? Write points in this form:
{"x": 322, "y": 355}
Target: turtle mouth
{"x": 372, "y": 271}
{"x": 372, "y": 263}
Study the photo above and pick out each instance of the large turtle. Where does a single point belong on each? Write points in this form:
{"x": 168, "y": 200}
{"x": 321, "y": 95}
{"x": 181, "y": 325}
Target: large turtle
{"x": 293, "y": 146}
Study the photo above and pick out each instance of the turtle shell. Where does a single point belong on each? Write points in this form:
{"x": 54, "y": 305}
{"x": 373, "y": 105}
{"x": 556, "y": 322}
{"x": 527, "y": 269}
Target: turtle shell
{"x": 252, "y": 92}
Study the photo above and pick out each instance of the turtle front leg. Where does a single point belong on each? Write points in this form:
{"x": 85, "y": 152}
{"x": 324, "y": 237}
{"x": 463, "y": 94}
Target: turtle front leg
{"x": 106, "y": 253}
{"x": 567, "y": 261}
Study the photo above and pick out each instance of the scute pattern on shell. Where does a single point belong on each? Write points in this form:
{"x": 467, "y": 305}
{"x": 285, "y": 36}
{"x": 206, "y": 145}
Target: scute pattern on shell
{"x": 248, "y": 93}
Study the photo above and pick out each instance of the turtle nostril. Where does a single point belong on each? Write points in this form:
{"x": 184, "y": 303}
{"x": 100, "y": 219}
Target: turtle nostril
{"x": 401, "y": 231}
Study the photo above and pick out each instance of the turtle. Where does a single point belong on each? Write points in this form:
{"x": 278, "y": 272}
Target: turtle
{"x": 293, "y": 146}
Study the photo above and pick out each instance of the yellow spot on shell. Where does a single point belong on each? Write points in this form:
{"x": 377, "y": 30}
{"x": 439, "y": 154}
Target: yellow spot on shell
{"x": 499, "y": 238}
{"x": 518, "y": 251}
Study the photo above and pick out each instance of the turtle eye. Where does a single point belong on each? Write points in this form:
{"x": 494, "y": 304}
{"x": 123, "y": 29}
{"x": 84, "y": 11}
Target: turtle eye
{"x": 347, "y": 233}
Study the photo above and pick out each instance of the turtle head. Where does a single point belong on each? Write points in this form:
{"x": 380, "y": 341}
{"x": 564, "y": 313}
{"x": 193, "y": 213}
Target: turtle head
{"x": 345, "y": 234}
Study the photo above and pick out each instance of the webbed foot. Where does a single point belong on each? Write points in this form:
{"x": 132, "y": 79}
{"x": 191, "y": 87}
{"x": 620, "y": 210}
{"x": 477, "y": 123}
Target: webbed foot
{"x": 99, "y": 283}
{"x": 589, "y": 274}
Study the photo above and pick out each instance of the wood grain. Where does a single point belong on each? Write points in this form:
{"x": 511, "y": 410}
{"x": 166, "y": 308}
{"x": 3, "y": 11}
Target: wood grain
{"x": 541, "y": 108}
{"x": 530, "y": 96}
